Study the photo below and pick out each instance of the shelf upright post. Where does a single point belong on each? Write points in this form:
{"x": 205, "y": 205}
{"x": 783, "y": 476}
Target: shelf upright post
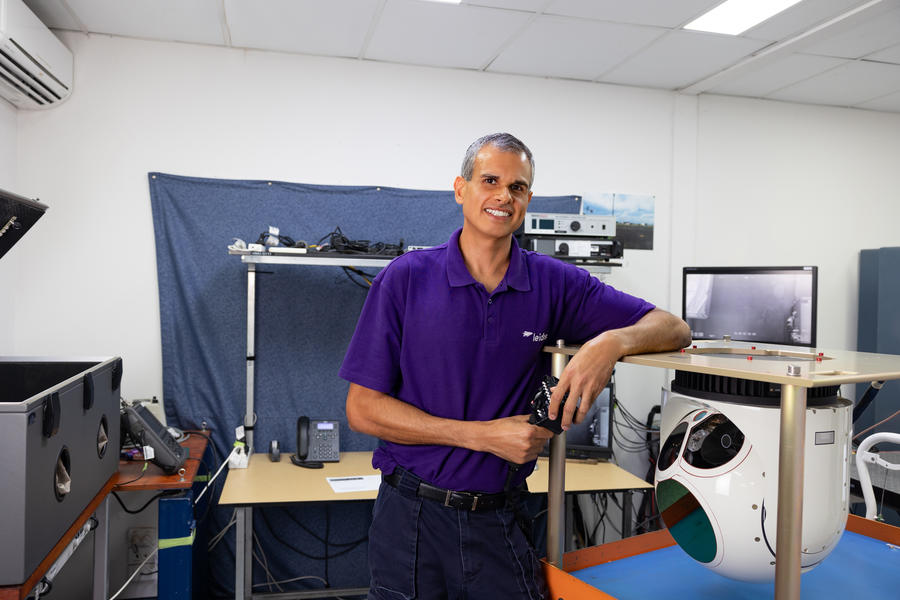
{"x": 243, "y": 588}
{"x": 244, "y": 526}
{"x": 251, "y": 352}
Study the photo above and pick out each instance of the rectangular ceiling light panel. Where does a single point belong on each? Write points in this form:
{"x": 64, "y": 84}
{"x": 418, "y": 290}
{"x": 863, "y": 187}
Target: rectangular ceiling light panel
{"x": 734, "y": 17}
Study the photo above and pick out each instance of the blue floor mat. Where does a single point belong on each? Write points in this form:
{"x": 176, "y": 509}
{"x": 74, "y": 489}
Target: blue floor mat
{"x": 859, "y": 568}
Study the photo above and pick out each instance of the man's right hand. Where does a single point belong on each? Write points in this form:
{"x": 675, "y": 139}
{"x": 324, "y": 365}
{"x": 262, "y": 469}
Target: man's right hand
{"x": 514, "y": 439}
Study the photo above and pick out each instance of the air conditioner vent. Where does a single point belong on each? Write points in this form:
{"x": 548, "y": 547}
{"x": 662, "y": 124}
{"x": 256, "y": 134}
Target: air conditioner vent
{"x": 38, "y": 65}
{"x": 35, "y": 67}
{"x": 12, "y": 71}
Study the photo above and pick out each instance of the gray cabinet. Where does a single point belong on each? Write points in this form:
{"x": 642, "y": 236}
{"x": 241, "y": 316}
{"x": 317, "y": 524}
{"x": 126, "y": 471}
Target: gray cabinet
{"x": 879, "y": 326}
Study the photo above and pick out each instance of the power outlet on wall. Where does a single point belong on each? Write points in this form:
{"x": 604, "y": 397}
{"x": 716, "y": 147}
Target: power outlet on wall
{"x": 142, "y": 542}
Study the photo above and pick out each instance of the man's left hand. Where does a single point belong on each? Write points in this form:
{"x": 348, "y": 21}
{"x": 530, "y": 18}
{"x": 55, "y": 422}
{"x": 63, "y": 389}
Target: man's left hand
{"x": 584, "y": 377}
{"x": 590, "y": 369}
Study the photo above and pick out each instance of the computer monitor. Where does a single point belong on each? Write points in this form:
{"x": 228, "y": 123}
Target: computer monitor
{"x": 768, "y": 305}
{"x": 593, "y": 437}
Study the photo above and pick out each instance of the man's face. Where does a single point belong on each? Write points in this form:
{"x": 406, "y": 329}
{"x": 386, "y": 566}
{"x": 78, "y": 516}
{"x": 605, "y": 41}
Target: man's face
{"x": 495, "y": 200}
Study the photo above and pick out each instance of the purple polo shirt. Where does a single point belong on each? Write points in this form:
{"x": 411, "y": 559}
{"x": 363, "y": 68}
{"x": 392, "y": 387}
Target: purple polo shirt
{"x": 432, "y": 336}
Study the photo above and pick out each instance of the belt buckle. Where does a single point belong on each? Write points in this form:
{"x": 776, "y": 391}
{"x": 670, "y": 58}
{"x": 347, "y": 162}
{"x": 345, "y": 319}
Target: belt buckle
{"x": 474, "y": 502}
{"x": 447, "y": 499}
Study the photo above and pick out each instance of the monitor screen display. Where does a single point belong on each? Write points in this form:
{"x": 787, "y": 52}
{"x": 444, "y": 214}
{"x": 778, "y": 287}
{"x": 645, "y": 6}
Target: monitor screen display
{"x": 768, "y": 305}
{"x": 593, "y": 437}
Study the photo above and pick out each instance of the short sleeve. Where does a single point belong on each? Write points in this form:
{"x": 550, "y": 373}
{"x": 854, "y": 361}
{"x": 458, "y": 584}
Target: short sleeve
{"x": 592, "y": 307}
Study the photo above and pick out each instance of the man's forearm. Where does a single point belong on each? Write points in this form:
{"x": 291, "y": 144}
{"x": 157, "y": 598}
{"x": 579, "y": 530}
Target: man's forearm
{"x": 393, "y": 420}
{"x": 387, "y": 418}
{"x": 589, "y": 370}
{"x": 657, "y": 331}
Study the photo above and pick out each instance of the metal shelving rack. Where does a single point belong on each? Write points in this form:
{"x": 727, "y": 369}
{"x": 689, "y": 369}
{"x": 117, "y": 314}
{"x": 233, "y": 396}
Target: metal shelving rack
{"x": 244, "y": 526}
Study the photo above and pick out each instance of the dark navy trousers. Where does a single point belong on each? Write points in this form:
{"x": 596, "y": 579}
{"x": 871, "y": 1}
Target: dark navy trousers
{"x": 420, "y": 549}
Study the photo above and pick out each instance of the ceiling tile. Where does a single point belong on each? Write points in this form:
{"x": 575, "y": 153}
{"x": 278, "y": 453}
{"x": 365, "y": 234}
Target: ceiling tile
{"x": 776, "y": 75}
{"x": 526, "y": 5}
{"x": 442, "y": 35}
{"x": 660, "y": 13}
{"x": 681, "y": 58}
{"x": 889, "y": 103}
{"x": 875, "y": 34}
{"x": 848, "y": 85}
{"x": 889, "y": 55}
{"x": 563, "y": 47}
{"x": 198, "y": 21}
{"x": 53, "y": 14}
{"x": 799, "y": 18}
{"x": 334, "y": 28}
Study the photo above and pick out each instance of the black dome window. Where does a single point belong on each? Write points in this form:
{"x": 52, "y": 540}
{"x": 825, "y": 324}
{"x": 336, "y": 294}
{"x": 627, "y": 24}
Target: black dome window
{"x": 713, "y": 442}
{"x": 672, "y": 447}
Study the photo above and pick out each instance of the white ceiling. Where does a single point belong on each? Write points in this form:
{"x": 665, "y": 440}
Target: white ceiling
{"x": 835, "y": 52}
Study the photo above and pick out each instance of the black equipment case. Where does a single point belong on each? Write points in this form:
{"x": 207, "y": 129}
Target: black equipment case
{"x": 59, "y": 434}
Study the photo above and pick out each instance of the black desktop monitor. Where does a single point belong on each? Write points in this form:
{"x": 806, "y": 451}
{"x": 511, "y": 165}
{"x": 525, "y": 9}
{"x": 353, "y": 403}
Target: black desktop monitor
{"x": 593, "y": 437}
{"x": 768, "y": 305}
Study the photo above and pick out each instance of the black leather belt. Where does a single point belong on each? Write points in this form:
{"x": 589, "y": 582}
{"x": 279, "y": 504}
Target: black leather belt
{"x": 462, "y": 500}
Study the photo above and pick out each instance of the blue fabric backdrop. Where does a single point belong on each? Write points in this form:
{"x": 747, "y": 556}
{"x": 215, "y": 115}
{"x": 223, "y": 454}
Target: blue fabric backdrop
{"x": 305, "y": 317}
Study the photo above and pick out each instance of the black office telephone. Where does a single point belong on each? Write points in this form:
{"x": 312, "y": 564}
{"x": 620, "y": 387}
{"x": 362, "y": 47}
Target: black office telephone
{"x": 318, "y": 441}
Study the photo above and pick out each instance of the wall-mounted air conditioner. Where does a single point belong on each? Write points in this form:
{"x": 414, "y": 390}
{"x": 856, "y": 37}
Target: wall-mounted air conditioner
{"x": 35, "y": 67}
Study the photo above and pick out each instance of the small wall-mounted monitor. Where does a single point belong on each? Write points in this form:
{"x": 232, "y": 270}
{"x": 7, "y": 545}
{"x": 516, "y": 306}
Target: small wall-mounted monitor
{"x": 768, "y": 305}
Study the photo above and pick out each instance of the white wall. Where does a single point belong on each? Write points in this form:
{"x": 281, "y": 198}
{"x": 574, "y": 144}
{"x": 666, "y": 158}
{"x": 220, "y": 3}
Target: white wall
{"x": 786, "y": 183}
{"x": 736, "y": 181}
{"x": 238, "y": 114}
{"x": 7, "y": 182}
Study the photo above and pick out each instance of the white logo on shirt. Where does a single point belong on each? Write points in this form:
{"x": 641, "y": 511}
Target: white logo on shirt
{"x": 535, "y": 337}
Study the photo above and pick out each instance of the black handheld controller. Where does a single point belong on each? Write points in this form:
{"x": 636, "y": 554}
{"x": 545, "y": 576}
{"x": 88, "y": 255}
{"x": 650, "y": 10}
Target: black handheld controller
{"x": 540, "y": 404}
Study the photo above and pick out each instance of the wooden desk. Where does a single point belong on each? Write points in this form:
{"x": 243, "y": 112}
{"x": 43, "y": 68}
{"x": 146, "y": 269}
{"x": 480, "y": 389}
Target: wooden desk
{"x": 131, "y": 476}
{"x": 174, "y": 513}
{"x": 265, "y": 482}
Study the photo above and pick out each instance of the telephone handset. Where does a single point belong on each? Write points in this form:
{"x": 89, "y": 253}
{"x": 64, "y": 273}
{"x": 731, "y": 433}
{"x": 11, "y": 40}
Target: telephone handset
{"x": 318, "y": 441}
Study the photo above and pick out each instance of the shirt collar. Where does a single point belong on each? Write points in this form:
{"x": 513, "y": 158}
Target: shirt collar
{"x": 458, "y": 275}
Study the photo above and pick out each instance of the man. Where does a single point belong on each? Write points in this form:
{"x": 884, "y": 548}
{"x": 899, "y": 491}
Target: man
{"x": 445, "y": 359}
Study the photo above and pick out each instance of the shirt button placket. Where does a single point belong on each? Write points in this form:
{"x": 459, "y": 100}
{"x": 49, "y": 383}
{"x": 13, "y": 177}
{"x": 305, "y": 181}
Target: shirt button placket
{"x": 490, "y": 326}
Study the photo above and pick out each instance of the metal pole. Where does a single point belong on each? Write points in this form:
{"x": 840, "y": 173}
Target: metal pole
{"x": 243, "y": 557}
{"x": 789, "y": 530}
{"x": 626, "y": 513}
{"x": 556, "y": 484}
{"x": 251, "y": 351}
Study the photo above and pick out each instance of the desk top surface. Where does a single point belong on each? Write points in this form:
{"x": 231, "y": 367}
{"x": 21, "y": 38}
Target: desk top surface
{"x": 132, "y": 476}
{"x": 816, "y": 367}
{"x": 267, "y": 482}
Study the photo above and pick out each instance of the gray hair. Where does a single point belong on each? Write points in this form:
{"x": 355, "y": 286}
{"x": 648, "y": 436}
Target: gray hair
{"x": 504, "y": 142}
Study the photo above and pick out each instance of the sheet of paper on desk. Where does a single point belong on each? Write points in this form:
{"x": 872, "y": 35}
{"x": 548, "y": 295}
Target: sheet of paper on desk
{"x": 361, "y": 483}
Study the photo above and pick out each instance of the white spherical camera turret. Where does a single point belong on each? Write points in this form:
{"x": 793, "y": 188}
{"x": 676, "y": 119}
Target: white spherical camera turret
{"x": 717, "y": 479}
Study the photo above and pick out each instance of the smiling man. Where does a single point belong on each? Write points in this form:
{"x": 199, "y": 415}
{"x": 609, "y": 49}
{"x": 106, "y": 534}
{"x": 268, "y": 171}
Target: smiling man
{"x": 445, "y": 358}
